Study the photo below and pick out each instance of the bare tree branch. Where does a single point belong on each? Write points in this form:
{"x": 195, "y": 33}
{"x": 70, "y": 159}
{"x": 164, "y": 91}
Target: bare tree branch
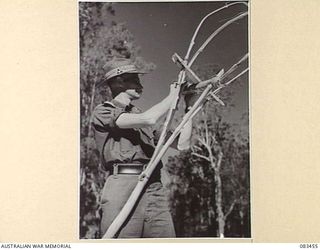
{"x": 204, "y": 143}
{"x": 220, "y": 156}
{"x": 196, "y": 147}
{"x": 206, "y": 131}
{"x": 230, "y": 209}
{"x": 201, "y": 156}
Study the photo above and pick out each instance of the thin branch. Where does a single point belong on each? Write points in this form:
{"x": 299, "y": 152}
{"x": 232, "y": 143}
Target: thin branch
{"x": 230, "y": 209}
{"x": 204, "y": 143}
{"x": 213, "y": 161}
{"x": 201, "y": 141}
{"x": 197, "y": 147}
{"x": 213, "y": 141}
{"x": 220, "y": 155}
{"x": 206, "y": 131}
{"x": 201, "y": 156}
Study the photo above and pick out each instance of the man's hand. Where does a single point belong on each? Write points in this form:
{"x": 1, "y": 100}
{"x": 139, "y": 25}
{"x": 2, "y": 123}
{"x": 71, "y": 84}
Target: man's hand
{"x": 191, "y": 96}
{"x": 173, "y": 89}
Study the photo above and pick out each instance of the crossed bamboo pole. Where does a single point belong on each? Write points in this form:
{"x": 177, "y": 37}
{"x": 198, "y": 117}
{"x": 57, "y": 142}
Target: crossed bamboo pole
{"x": 205, "y": 95}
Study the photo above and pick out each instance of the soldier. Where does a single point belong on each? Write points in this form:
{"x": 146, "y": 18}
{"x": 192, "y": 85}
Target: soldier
{"x": 125, "y": 139}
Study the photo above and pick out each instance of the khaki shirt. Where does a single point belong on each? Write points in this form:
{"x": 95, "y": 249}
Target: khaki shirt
{"x": 116, "y": 144}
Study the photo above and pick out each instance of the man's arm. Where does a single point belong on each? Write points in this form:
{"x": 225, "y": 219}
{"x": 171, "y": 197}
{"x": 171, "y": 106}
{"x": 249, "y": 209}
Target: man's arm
{"x": 149, "y": 117}
{"x": 184, "y": 141}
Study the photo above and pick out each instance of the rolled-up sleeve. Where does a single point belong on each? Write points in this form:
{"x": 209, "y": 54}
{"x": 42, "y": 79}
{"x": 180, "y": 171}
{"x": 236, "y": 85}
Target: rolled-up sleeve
{"x": 105, "y": 116}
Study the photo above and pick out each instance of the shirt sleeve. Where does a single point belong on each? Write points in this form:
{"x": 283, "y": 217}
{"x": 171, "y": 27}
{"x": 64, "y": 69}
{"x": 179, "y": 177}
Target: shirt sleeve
{"x": 105, "y": 116}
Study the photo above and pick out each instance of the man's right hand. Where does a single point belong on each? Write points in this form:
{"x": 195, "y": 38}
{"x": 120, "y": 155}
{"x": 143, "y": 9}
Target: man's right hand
{"x": 173, "y": 88}
{"x": 191, "y": 96}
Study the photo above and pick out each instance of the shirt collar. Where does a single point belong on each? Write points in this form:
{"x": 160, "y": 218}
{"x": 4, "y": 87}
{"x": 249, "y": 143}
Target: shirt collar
{"x": 121, "y": 105}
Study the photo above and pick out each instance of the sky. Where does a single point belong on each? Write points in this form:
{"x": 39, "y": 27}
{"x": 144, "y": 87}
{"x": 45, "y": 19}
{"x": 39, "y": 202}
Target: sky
{"x": 161, "y": 29}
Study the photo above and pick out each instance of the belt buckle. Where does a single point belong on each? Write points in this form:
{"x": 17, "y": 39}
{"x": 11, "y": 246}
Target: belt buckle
{"x": 115, "y": 169}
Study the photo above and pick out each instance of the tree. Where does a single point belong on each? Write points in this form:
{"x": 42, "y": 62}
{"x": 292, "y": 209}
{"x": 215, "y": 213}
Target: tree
{"x": 101, "y": 39}
{"x": 224, "y": 152}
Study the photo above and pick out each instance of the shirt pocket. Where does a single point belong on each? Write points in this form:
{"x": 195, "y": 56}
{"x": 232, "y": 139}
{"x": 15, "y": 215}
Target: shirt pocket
{"x": 123, "y": 150}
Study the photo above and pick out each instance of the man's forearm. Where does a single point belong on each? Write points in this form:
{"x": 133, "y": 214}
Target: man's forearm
{"x": 147, "y": 118}
{"x": 184, "y": 140}
{"x": 158, "y": 110}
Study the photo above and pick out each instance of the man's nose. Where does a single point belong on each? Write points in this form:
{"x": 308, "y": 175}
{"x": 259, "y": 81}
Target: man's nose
{"x": 139, "y": 90}
{"x": 139, "y": 86}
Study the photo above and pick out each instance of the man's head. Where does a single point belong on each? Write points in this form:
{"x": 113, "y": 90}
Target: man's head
{"x": 127, "y": 82}
{"x": 123, "y": 76}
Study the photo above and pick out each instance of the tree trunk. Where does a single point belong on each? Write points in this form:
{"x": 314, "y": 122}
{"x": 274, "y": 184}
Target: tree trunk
{"x": 218, "y": 196}
{"x": 241, "y": 214}
{"x": 91, "y": 105}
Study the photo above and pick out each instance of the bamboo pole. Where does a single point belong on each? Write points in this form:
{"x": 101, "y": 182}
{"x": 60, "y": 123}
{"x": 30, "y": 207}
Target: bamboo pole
{"x": 230, "y": 81}
{"x": 202, "y": 21}
{"x": 169, "y": 116}
{"x": 235, "y": 66}
{"x": 209, "y": 39}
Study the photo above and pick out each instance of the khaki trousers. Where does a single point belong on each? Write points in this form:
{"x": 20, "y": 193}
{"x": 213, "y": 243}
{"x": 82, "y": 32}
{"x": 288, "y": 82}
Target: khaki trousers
{"x": 151, "y": 217}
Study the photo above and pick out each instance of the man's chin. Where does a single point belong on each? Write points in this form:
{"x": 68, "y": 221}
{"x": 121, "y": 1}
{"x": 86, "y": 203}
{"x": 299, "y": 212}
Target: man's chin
{"x": 134, "y": 95}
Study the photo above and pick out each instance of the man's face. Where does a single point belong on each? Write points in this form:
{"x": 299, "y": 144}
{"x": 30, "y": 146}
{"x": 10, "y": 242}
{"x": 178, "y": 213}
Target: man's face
{"x": 134, "y": 87}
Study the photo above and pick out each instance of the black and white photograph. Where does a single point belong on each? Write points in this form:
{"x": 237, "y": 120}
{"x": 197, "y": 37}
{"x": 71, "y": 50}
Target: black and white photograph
{"x": 172, "y": 122}
{"x": 164, "y": 120}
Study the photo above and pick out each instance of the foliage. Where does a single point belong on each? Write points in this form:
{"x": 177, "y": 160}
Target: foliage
{"x": 101, "y": 39}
